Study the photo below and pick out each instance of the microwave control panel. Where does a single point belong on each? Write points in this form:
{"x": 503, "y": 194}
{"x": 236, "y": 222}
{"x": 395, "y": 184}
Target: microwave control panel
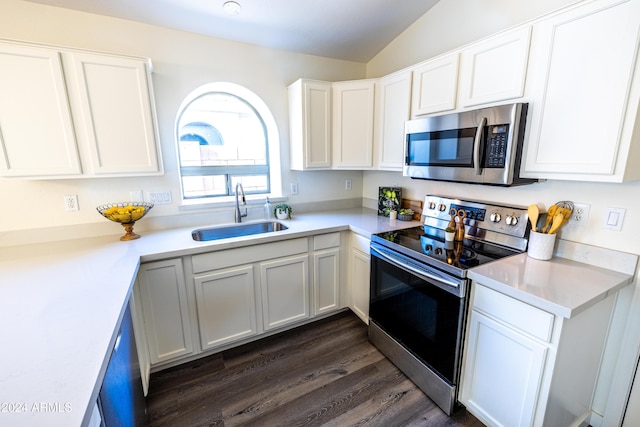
{"x": 496, "y": 150}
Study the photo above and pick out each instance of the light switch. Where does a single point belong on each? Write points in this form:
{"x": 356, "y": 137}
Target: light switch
{"x": 613, "y": 218}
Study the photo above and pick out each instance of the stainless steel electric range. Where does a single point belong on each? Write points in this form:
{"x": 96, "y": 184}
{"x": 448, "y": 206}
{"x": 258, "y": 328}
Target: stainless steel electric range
{"x": 419, "y": 287}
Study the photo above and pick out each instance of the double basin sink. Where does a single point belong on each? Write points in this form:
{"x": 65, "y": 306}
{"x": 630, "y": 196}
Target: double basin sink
{"x": 236, "y": 230}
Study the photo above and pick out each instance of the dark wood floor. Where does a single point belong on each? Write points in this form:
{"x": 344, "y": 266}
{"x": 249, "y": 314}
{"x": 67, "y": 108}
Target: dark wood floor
{"x": 323, "y": 374}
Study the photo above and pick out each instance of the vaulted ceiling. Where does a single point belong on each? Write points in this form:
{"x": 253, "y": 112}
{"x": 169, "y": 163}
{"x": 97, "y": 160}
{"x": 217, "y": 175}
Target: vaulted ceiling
{"x": 353, "y": 30}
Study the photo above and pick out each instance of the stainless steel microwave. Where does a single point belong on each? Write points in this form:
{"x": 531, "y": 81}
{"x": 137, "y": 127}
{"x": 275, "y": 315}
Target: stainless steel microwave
{"x": 482, "y": 146}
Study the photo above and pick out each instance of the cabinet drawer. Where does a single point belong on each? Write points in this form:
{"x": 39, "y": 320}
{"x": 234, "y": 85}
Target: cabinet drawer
{"x": 325, "y": 241}
{"x": 360, "y": 243}
{"x": 518, "y": 314}
{"x": 248, "y": 254}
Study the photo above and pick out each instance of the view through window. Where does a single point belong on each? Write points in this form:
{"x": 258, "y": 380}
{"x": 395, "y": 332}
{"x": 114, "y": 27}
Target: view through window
{"x": 222, "y": 140}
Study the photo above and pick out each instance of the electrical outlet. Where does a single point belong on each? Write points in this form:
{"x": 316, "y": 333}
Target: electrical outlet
{"x": 71, "y": 203}
{"x": 294, "y": 188}
{"x": 347, "y": 184}
{"x": 580, "y": 215}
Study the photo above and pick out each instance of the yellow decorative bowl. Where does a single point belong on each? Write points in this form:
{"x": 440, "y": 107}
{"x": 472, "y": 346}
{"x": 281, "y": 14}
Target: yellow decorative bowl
{"x": 125, "y": 213}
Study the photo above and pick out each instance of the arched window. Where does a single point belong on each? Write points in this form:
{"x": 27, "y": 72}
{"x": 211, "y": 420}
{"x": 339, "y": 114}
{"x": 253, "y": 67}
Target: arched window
{"x": 225, "y": 135}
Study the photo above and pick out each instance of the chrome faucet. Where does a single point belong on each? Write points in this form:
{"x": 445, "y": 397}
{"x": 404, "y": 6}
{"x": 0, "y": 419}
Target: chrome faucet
{"x": 240, "y": 215}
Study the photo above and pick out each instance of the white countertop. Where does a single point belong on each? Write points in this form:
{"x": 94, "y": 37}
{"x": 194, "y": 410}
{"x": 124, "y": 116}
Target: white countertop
{"x": 560, "y": 286}
{"x": 61, "y": 303}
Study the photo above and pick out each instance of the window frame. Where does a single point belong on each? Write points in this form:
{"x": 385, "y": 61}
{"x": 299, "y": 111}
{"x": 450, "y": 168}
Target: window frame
{"x": 272, "y": 148}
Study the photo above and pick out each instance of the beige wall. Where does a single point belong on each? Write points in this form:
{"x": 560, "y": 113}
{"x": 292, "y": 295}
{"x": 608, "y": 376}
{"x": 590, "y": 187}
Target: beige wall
{"x": 182, "y": 61}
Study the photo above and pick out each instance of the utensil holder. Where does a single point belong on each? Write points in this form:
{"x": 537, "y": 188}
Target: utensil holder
{"x": 541, "y": 245}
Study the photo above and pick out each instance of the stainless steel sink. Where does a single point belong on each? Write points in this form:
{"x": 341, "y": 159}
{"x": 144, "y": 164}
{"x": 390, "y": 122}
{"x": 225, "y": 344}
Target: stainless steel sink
{"x": 236, "y": 230}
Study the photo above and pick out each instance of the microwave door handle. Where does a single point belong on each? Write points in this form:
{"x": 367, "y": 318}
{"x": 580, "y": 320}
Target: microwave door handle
{"x": 476, "y": 146}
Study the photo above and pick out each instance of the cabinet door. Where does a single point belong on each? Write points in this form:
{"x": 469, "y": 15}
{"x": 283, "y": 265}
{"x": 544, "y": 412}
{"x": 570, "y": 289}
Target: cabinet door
{"x": 502, "y": 373}
{"x": 586, "y": 92}
{"x": 326, "y": 280}
{"x": 226, "y": 302}
{"x": 115, "y": 114}
{"x": 141, "y": 337}
{"x": 394, "y": 109}
{"x": 353, "y": 112}
{"x": 359, "y": 274}
{"x": 36, "y": 130}
{"x": 435, "y": 85}
{"x": 310, "y": 124}
{"x": 165, "y": 310}
{"x": 494, "y": 69}
{"x": 285, "y": 290}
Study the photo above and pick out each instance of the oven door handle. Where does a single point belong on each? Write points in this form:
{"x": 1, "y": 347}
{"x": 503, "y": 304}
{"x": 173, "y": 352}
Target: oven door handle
{"x": 419, "y": 271}
{"x": 476, "y": 146}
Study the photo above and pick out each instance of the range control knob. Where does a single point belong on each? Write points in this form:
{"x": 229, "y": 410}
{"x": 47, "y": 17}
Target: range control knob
{"x": 439, "y": 251}
{"x": 495, "y": 217}
{"x": 442, "y": 207}
{"x": 432, "y": 205}
{"x": 511, "y": 220}
{"x": 428, "y": 248}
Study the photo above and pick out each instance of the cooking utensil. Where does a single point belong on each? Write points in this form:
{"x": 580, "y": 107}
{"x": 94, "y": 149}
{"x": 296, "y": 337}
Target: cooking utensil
{"x": 557, "y": 222}
{"x": 452, "y": 223}
{"x": 551, "y": 212}
{"x": 566, "y": 209}
{"x": 461, "y": 214}
{"x": 533, "y": 212}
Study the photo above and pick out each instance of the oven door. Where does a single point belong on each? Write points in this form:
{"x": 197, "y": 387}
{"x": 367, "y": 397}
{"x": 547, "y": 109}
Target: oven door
{"x": 423, "y": 310}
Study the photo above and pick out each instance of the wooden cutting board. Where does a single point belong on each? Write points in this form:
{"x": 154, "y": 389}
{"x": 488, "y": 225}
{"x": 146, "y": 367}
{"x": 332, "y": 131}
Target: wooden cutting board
{"x": 416, "y": 205}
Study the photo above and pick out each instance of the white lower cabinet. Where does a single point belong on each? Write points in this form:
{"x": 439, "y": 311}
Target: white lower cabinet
{"x": 226, "y": 301}
{"x": 165, "y": 313}
{"x": 326, "y": 273}
{"x": 285, "y": 291}
{"x": 359, "y": 274}
{"x": 142, "y": 348}
{"x": 326, "y": 280}
{"x": 230, "y": 297}
{"x": 504, "y": 379}
{"x": 523, "y": 366}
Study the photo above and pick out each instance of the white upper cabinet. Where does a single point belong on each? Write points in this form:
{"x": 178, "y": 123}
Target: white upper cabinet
{"x": 114, "y": 114}
{"x": 494, "y": 69}
{"x": 310, "y": 124}
{"x": 585, "y": 94}
{"x": 435, "y": 85}
{"x": 489, "y": 71}
{"x": 71, "y": 114}
{"x": 393, "y": 108}
{"x": 36, "y": 129}
{"x": 352, "y": 124}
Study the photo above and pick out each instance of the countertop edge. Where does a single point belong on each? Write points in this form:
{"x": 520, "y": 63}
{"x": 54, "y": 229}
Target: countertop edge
{"x": 518, "y": 283}
{"x": 67, "y": 265}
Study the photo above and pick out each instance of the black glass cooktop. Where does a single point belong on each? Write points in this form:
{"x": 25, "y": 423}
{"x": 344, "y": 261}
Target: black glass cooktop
{"x": 428, "y": 244}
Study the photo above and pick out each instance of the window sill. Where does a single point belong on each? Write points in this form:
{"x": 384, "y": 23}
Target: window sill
{"x": 226, "y": 202}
